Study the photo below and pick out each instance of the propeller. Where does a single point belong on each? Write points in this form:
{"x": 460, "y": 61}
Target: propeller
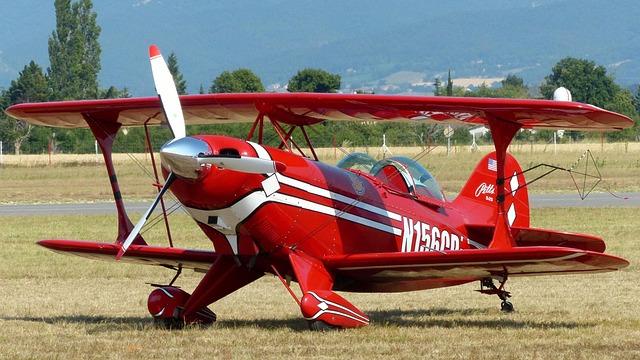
{"x": 166, "y": 89}
{"x": 184, "y": 156}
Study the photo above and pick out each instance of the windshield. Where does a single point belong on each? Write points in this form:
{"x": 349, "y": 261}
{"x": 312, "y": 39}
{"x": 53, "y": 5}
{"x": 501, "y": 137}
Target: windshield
{"x": 357, "y": 161}
{"x": 417, "y": 179}
{"x": 425, "y": 183}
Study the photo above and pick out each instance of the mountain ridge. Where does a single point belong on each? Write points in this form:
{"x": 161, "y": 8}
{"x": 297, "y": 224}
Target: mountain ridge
{"x": 364, "y": 41}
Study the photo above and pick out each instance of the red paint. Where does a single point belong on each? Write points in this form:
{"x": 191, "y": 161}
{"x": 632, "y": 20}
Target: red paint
{"x": 168, "y": 303}
{"x": 312, "y": 108}
{"x": 154, "y": 51}
{"x": 332, "y": 309}
{"x": 105, "y": 130}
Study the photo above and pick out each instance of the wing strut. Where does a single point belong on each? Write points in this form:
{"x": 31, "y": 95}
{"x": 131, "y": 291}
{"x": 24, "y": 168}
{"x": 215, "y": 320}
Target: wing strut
{"x": 502, "y": 133}
{"x": 104, "y": 126}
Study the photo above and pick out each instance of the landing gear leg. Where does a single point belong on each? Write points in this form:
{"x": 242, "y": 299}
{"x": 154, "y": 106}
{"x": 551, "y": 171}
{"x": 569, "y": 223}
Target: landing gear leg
{"x": 487, "y": 287}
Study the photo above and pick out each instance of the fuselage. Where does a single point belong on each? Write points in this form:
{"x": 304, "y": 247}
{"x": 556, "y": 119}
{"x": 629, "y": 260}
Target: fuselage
{"x": 312, "y": 207}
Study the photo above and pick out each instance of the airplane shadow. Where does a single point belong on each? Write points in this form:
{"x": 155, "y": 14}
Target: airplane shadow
{"x": 119, "y": 323}
{"x": 440, "y": 317}
{"x": 422, "y": 318}
{"x": 98, "y": 324}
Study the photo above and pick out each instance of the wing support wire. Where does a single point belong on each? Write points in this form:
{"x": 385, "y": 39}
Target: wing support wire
{"x": 285, "y": 136}
{"x": 582, "y": 185}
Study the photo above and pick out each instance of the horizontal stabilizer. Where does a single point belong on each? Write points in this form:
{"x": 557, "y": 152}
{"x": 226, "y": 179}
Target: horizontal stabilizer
{"x": 539, "y": 237}
{"x": 199, "y": 260}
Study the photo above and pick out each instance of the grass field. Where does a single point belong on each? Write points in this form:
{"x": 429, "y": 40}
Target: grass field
{"x": 72, "y": 178}
{"x": 55, "y": 306}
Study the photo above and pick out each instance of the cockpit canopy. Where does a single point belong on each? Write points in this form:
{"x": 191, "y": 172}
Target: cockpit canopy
{"x": 398, "y": 172}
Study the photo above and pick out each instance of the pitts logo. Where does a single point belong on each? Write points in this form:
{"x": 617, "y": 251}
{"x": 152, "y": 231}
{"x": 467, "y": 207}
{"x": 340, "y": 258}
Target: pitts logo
{"x": 419, "y": 236}
{"x": 487, "y": 190}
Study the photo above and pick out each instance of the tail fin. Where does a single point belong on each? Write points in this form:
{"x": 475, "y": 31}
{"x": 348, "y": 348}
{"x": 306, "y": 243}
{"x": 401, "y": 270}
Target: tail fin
{"x": 477, "y": 199}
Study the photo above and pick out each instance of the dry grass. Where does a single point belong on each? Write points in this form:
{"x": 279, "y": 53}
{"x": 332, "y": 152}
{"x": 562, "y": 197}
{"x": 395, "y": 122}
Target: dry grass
{"x": 73, "y": 178}
{"x": 56, "y": 306}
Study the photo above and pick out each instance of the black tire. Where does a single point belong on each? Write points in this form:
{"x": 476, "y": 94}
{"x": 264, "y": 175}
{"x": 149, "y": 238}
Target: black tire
{"x": 317, "y": 325}
{"x": 169, "y": 323}
{"x": 506, "y": 306}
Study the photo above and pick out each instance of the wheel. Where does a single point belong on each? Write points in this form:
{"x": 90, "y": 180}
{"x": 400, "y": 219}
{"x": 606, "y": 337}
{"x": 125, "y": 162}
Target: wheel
{"x": 506, "y": 306}
{"x": 317, "y": 325}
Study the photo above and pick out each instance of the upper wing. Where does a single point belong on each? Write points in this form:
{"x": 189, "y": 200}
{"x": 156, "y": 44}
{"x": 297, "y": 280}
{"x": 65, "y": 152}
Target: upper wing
{"x": 310, "y": 108}
{"x": 199, "y": 260}
{"x": 468, "y": 265}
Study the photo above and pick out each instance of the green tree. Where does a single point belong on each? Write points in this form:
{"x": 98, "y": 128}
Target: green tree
{"x": 511, "y": 87}
{"x": 314, "y": 80}
{"x": 513, "y": 81}
{"x": 591, "y": 84}
{"x": 437, "y": 87}
{"x": 181, "y": 83}
{"x": 5, "y": 125}
{"x": 448, "y": 89}
{"x": 636, "y": 99}
{"x": 588, "y": 82}
{"x": 623, "y": 102}
{"x": 238, "y": 81}
{"x": 449, "y": 84}
{"x": 114, "y": 93}
{"x": 30, "y": 86}
{"x": 74, "y": 51}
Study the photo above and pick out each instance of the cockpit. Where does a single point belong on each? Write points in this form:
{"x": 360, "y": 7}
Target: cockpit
{"x": 398, "y": 172}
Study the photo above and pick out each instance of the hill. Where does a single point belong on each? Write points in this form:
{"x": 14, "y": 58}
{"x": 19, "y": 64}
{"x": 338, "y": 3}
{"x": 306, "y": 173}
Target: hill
{"x": 364, "y": 41}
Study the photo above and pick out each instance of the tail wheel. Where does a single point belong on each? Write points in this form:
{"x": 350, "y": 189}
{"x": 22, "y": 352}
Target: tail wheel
{"x": 506, "y": 306}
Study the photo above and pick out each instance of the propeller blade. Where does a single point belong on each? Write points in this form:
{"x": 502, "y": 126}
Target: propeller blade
{"x": 136, "y": 230}
{"x": 166, "y": 89}
{"x": 243, "y": 164}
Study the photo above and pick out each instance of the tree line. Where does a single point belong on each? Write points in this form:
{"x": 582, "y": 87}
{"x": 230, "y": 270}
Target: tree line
{"x": 74, "y": 57}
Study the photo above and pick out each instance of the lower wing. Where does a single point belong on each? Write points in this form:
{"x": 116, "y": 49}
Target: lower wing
{"x": 199, "y": 260}
{"x": 469, "y": 265}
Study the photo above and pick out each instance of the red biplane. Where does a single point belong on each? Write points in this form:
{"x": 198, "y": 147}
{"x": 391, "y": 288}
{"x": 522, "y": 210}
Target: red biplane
{"x": 360, "y": 226}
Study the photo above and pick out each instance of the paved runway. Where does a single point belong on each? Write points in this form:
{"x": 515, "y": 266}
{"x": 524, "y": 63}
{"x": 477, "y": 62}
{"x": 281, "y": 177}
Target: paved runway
{"x": 537, "y": 201}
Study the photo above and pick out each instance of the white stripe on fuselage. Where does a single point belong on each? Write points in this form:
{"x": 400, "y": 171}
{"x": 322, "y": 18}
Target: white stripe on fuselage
{"x": 242, "y": 209}
{"x": 316, "y": 190}
{"x": 312, "y": 189}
